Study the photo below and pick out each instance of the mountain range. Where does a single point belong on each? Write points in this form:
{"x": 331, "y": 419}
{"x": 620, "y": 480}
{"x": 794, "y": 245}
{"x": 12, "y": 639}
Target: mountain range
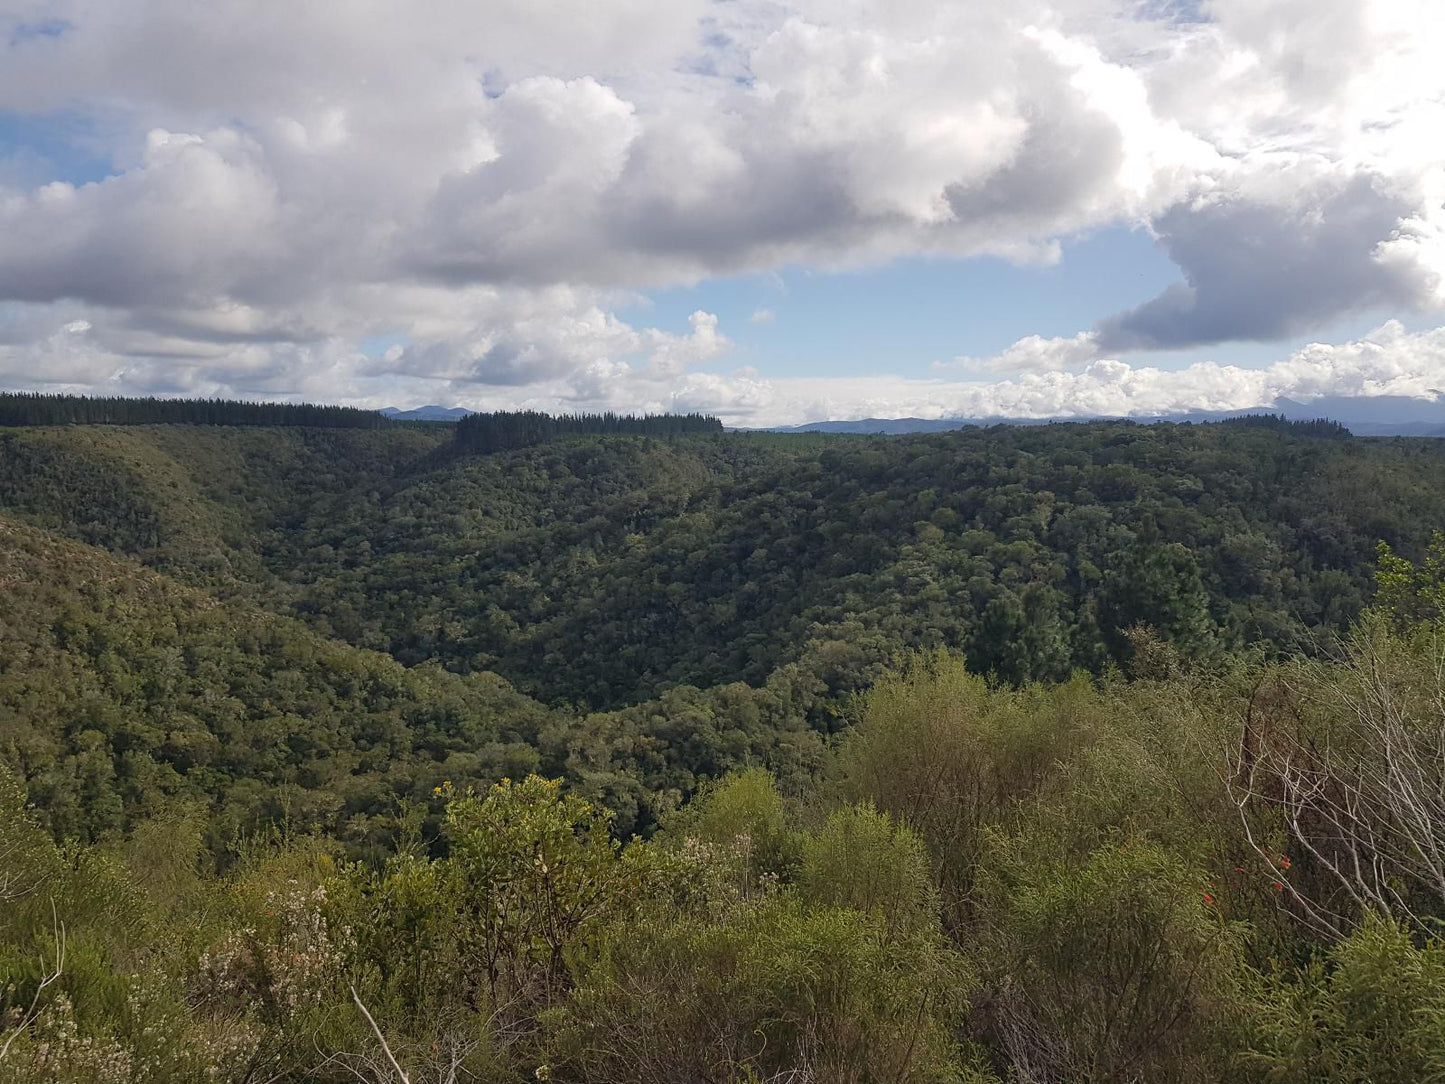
{"x": 430, "y": 413}
{"x": 1366, "y": 416}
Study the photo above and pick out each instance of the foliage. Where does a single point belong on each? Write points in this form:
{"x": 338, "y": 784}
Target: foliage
{"x": 536, "y": 870}
{"x": 126, "y": 691}
{"x": 604, "y": 571}
{"x": 1344, "y": 767}
{"x": 505, "y": 430}
{"x": 823, "y": 993}
{"x": 1373, "y": 1009}
{"x": 1111, "y": 966}
{"x": 947, "y": 756}
{"x": 742, "y": 818}
{"x": 1412, "y": 594}
{"x": 34, "y": 408}
{"x": 862, "y": 860}
{"x": 269, "y": 812}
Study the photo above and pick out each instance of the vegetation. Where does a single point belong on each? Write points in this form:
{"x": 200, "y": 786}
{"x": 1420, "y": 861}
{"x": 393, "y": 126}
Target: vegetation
{"x": 34, "y": 408}
{"x": 505, "y": 430}
{"x": 1115, "y": 758}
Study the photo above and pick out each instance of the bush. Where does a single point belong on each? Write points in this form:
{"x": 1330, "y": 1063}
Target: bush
{"x": 1372, "y": 1011}
{"x": 779, "y": 987}
{"x": 1114, "y": 967}
{"x": 863, "y": 860}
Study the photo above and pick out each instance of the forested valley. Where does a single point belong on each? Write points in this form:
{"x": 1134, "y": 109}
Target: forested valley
{"x": 635, "y": 750}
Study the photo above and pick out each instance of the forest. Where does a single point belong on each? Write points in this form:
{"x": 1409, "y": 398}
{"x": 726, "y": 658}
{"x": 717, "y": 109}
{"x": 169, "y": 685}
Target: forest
{"x": 504, "y": 430}
{"x": 643, "y": 751}
{"x": 33, "y": 408}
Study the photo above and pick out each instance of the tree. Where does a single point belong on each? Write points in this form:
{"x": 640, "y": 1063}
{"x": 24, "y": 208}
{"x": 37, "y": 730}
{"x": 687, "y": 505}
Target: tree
{"x": 535, "y": 870}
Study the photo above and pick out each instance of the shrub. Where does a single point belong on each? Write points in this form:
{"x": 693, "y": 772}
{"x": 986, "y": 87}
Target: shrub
{"x": 1371, "y": 1011}
{"x": 1111, "y": 967}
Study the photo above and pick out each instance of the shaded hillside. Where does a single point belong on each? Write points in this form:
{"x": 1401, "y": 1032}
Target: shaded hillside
{"x": 201, "y": 503}
{"x": 123, "y": 692}
{"x": 603, "y": 571}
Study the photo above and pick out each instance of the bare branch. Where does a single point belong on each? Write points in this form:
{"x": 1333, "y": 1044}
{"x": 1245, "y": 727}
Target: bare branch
{"x": 29, "y": 1016}
{"x": 385, "y": 1048}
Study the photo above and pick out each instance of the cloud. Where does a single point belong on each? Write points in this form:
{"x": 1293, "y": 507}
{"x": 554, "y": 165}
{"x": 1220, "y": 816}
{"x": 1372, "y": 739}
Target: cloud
{"x": 486, "y": 184}
{"x": 1034, "y": 353}
{"x": 1389, "y": 361}
{"x": 762, "y": 316}
{"x": 1262, "y": 269}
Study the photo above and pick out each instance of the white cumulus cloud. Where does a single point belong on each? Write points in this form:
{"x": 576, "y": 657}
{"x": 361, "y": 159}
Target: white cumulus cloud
{"x": 484, "y": 184}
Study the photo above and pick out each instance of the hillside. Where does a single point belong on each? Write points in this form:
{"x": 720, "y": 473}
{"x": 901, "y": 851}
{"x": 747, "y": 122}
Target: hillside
{"x": 1064, "y": 753}
{"x": 761, "y": 577}
{"x": 603, "y": 571}
{"x": 618, "y": 568}
{"x": 125, "y": 692}
{"x": 681, "y": 606}
{"x": 199, "y": 502}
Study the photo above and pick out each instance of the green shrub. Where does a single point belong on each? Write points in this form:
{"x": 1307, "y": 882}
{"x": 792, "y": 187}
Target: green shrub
{"x": 778, "y": 987}
{"x": 1113, "y": 967}
{"x": 862, "y": 859}
{"x": 1371, "y": 1011}
{"x": 741, "y": 818}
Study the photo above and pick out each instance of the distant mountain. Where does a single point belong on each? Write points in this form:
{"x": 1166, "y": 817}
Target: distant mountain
{"x": 1366, "y": 416}
{"x": 427, "y": 414}
{"x": 876, "y": 425}
{"x": 1374, "y": 416}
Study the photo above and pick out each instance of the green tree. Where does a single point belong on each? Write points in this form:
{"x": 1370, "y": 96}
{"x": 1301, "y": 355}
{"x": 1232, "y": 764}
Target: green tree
{"x": 536, "y": 870}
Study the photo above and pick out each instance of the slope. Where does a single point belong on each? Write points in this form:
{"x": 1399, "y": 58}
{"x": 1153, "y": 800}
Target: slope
{"x": 121, "y": 691}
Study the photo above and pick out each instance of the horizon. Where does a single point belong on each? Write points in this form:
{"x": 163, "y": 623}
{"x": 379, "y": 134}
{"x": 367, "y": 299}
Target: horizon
{"x": 1334, "y": 410}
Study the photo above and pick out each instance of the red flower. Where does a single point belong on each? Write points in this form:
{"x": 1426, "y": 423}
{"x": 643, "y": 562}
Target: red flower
{"x": 1208, "y": 898}
{"x": 1278, "y": 886}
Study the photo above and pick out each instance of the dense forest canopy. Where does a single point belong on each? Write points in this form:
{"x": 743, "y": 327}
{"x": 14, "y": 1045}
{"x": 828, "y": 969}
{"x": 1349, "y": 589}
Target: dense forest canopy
{"x": 34, "y": 408}
{"x": 480, "y": 432}
{"x": 504, "y": 430}
{"x": 685, "y": 603}
{"x": 1094, "y": 752}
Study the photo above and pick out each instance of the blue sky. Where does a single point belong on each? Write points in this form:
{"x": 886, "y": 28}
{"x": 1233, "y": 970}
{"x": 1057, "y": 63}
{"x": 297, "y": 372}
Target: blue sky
{"x": 914, "y": 315}
{"x": 59, "y": 146}
{"x": 916, "y": 311}
{"x": 643, "y": 205}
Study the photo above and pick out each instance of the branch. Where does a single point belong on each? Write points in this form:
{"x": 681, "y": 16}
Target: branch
{"x": 33, "y": 1012}
{"x": 385, "y": 1048}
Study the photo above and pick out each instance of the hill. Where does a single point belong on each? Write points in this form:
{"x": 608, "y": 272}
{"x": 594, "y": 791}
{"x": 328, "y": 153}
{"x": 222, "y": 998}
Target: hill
{"x": 375, "y": 754}
{"x": 603, "y": 571}
{"x": 126, "y": 692}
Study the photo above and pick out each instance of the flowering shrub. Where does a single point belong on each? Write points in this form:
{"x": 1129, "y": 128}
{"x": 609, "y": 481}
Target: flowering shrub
{"x": 289, "y": 964}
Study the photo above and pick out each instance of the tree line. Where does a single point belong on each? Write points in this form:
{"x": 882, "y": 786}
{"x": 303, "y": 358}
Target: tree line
{"x": 505, "y": 430}
{"x": 35, "y": 408}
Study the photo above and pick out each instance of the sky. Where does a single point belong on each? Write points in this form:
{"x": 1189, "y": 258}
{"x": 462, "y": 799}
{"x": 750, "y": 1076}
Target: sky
{"x": 777, "y": 212}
